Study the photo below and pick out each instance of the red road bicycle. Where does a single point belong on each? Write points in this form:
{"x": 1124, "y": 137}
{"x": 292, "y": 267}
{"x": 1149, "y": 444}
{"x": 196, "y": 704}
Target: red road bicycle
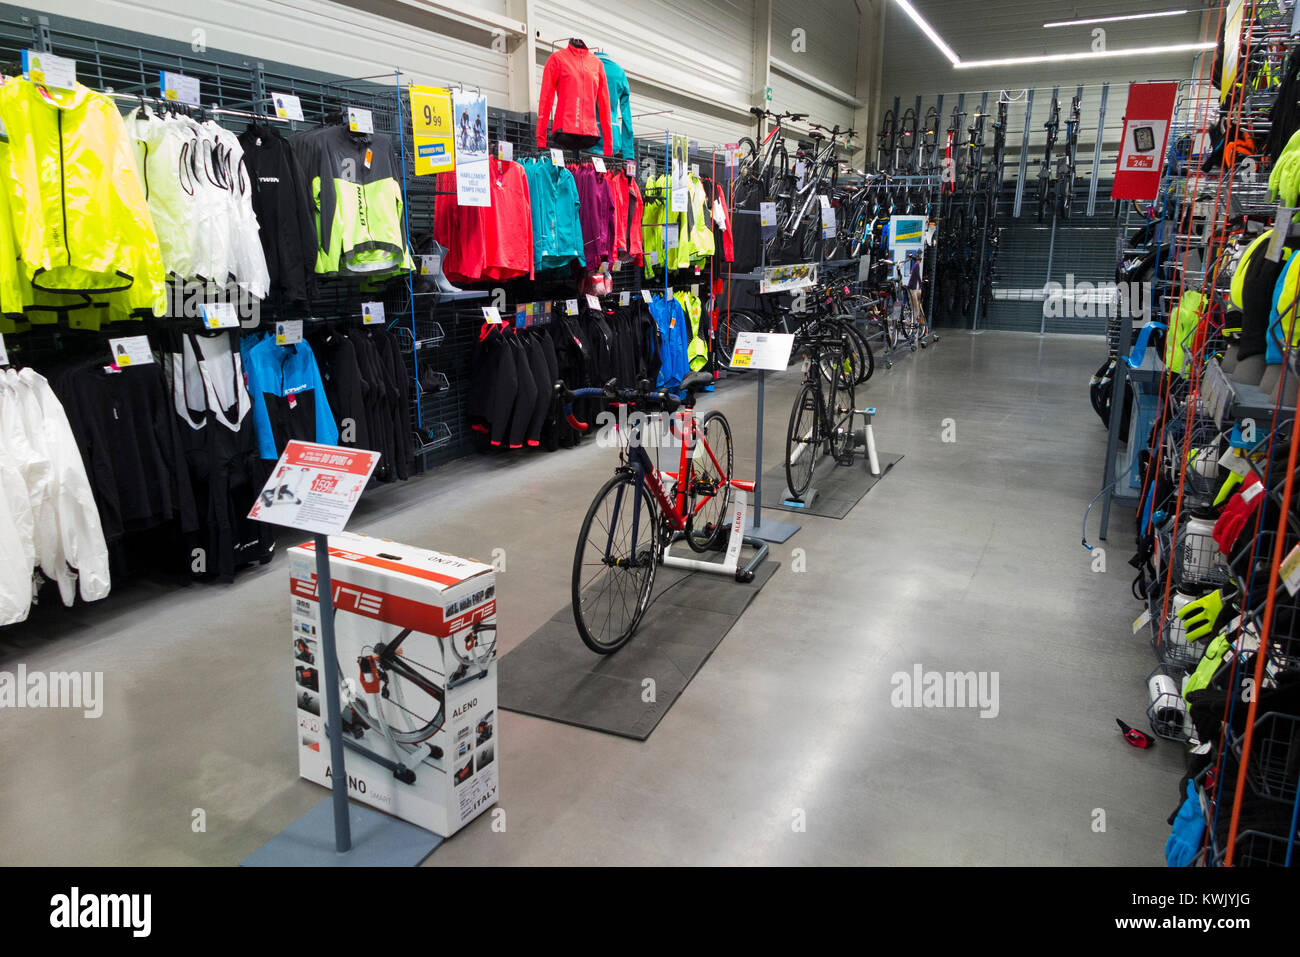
{"x": 641, "y": 509}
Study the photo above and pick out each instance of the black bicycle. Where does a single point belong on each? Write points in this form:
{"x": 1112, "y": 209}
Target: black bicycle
{"x": 821, "y": 421}
{"x": 1067, "y": 168}
{"x": 1045, "y": 185}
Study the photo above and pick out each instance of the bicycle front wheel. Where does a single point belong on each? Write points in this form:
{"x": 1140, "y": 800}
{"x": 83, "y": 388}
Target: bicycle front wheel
{"x": 710, "y": 493}
{"x": 803, "y": 439}
{"x": 614, "y": 565}
{"x": 840, "y": 413}
{"x": 730, "y": 325}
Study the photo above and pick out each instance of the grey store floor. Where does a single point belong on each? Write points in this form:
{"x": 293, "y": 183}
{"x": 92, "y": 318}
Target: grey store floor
{"x": 785, "y": 749}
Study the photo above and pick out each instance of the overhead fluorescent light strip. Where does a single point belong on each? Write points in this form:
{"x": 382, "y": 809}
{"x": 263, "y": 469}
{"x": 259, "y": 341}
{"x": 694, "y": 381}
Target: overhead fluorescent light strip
{"x": 929, "y": 31}
{"x": 1086, "y": 55}
{"x": 1115, "y": 19}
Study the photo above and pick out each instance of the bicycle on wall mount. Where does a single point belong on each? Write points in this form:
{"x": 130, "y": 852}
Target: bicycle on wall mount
{"x": 1046, "y": 193}
{"x": 641, "y": 510}
{"x": 800, "y": 207}
{"x": 1067, "y": 164}
{"x": 768, "y": 163}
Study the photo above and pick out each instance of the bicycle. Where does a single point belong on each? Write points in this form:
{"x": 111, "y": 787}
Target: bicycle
{"x": 641, "y": 510}
{"x": 1045, "y": 186}
{"x": 1067, "y": 164}
{"x": 771, "y": 163}
{"x": 819, "y": 422}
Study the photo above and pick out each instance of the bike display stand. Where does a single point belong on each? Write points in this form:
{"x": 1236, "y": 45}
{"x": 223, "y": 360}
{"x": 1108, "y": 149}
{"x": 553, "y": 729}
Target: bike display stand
{"x": 730, "y": 565}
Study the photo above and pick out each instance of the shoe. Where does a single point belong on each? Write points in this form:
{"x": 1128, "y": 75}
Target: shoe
{"x": 436, "y": 275}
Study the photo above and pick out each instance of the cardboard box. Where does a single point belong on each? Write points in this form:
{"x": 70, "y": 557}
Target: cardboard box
{"x": 416, "y": 638}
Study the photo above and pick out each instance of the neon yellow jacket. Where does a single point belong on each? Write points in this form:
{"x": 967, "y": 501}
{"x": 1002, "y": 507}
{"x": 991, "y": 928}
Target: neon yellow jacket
{"x": 697, "y": 350}
{"x": 77, "y": 206}
{"x": 1184, "y": 320}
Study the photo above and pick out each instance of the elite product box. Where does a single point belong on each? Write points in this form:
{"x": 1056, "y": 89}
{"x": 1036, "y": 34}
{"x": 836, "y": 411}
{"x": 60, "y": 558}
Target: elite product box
{"x": 416, "y": 637}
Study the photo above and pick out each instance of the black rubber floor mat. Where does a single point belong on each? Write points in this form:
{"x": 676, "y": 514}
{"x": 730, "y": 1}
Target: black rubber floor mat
{"x": 839, "y": 487}
{"x": 552, "y": 675}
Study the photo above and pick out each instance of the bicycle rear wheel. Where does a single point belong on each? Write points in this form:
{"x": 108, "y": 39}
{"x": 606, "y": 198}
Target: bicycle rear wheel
{"x": 614, "y": 565}
{"x": 840, "y": 413}
{"x": 803, "y": 439}
{"x": 704, "y": 528}
{"x": 730, "y": 325}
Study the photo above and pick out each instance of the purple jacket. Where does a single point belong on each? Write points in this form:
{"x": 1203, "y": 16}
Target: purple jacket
{"x": 595, "y": 215}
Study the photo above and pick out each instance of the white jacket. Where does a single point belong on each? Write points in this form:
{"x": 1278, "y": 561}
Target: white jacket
{"x": 83, "y": 553}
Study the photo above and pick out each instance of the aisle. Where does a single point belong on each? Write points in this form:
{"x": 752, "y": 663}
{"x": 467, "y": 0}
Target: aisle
{"x": 966, "y": 558}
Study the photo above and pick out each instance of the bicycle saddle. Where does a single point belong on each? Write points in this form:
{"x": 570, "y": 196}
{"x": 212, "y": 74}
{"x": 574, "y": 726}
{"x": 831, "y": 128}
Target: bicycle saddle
{"x": 814, "y": 135}
{"x": 696, "y": 381}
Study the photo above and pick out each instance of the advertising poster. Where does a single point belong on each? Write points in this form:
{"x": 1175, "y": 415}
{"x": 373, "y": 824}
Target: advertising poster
{"x": 678, "y": 172}
{"x": 1142, "y": 150}
{"x": 469, "y": 126}
{"x": 435, "y": 148}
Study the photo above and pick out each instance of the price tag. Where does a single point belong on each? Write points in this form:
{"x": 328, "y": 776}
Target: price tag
{"x": 430, "y": 264}
{"x": 491, "y": 314}
{"x": 828, "y": 222}
{"x": 180, "y": 88}
{"x": 623, "y": 299}
{"x": 360, "y": 121}
{"x": 652, "y": 257}
{"x": 505, "y": 150}
{"x": 1141, "y": 621}
{"x": 732, "y": 155}
{"x": 695, "y": 168}
{"x": 287, "y": 106}
{"x": 131, "y": 351}
{"x": 825, "y": 200}
{"x": 599, "y": 163}
{"x": 767, "y": 214}
{"x": 1290, "y": 571}
{"x": 372, "y": 313}
{"x": 4, "y": 354}
{"x": 288, "y": 333}
{"x": 593, "y": 302}
{"x": 1250, "y": 494}
{"x": 630, "y": 167}
{"x": 220, "y": 315}
{"x": 645, "y": 294}
{"x": 671, "y": 236}
{"x": 55, "y": 72}
{"x": 557, "y": 157}
{"x": 741, "y": 358}
{"x": 571, "y": 307}
{"x": 695, "y": 289}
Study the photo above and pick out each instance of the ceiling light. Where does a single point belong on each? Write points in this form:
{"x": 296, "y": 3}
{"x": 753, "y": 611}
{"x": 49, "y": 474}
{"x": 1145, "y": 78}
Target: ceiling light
{"x": 1127, "y": 16}
{"x": 1086, "y": 55}
{"x": 929, "y": 31}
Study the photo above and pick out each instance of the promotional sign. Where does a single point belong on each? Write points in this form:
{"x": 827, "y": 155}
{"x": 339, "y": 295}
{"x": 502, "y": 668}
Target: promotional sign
{"x": 435, "y": 148}
{"x": 788, "y": 278}
{"x": 314, "y": 487}
{"x": 679, "y": 174}
{"x": 469, "y": 119}
{"x": 1231, "y": 47}
{"x": 1142, "y": 150}
{"x": 906, "y": 235}
{"x": 762, "y": 350}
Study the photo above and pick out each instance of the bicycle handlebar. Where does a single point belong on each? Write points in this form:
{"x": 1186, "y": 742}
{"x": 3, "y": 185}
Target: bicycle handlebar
{"x": 654, "y": 399}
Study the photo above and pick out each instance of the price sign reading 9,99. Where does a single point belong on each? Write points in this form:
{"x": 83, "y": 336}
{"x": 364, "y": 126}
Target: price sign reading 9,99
{"x": 435, "y": 147}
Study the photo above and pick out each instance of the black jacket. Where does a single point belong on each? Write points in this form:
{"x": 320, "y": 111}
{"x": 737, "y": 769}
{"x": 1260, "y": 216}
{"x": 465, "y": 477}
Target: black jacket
{"x": 280, "y": 202}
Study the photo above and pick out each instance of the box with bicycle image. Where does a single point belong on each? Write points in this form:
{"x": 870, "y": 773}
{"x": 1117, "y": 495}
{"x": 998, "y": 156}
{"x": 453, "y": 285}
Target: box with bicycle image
{"x": 415, "y": 632}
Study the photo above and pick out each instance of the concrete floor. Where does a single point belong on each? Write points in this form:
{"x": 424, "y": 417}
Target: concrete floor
{"x": 966, "y": 557}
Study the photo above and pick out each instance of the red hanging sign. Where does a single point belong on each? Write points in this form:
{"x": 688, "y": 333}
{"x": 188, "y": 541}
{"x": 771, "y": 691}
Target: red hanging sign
{"x": 1146, "y": 135}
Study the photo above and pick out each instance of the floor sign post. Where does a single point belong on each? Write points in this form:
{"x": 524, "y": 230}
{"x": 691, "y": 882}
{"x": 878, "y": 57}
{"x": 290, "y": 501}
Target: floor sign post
{"x": 313, "y": 488}
{"x": 757, "y": 351}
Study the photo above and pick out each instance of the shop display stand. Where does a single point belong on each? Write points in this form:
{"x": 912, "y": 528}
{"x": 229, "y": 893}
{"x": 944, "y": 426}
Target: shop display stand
{"x": 730, "y": 565}
{"x": 772, "y": 531}
{"x": 361, "y": 837}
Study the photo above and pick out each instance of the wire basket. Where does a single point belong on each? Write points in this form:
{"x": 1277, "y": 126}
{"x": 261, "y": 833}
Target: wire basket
{"x": 1174, "y": 652}
{"x": 1197, "y": 561}
{"x": 1258, "y": 849}
{"x": 1274, "y": 766}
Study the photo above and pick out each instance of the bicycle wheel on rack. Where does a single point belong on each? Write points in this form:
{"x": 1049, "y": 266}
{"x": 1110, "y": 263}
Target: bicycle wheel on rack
{"x": 840, "y": 411}
{"x": 709, "y": 491}
{"x": 614, "y": 565}
{"x": 730, "y": 325}
{"x": 803, "y": 439}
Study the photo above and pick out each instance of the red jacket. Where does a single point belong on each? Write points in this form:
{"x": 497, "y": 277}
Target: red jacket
{"x": 574, "y": 84}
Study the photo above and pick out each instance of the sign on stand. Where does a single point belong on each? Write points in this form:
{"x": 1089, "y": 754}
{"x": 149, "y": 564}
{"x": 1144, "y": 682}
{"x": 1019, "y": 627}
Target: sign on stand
{"x": 762, "y": 350}
{"x": 314, "y": 487}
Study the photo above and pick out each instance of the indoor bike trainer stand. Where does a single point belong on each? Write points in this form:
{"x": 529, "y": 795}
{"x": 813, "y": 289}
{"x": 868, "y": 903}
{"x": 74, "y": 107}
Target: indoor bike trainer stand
{"x": 864, "y": 440}
{"x": 730, "y": 565}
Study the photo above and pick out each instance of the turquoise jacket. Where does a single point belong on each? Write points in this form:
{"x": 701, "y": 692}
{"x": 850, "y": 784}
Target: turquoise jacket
{"x": 620, "y": 110}
{"x": 557, "y": 231}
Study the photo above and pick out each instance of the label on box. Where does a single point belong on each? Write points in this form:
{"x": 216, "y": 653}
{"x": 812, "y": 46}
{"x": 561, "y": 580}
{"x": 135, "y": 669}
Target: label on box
{"x": 360, "y": 121}
{"x": 131, "y": 351}
{"x": 179, "y": 88}
{"x": 288, "y": 332}
{"x": 220, "y": 315}
{"x": 55, "y": 72}
{"x": 287, "y": 106}
{"x": 372, "y": 313}
{"x": 314, "y": 487}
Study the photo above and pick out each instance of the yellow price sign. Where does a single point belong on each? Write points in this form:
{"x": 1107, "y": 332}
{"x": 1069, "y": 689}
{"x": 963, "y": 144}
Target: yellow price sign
{"x": 742, "y": 358}
{"x": 435, "y": 146}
